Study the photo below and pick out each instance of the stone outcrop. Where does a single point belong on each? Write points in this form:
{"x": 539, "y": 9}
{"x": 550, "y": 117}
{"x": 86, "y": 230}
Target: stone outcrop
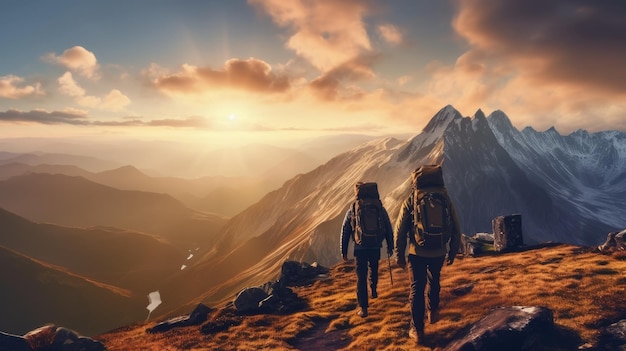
{"x": 615, "y": 241}
{"x": 10, "y": 342}
{"x": 294, "y": 273}
{"x": 613, "y": 337}
{"x": 49, "y": 337}
{"x": 196, "y": 317}
{"x": 507, "y": 328}
{"x": 276, "y": 296}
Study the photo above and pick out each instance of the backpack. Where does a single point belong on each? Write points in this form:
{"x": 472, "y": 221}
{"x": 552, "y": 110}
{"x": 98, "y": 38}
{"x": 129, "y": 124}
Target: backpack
{"x": 367, "y": 216}
{"x": 431, "y": 208}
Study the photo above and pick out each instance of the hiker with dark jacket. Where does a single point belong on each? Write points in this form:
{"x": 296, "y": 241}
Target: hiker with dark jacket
{"x": 360, "y": 224}
{"x": 431, "y": 228}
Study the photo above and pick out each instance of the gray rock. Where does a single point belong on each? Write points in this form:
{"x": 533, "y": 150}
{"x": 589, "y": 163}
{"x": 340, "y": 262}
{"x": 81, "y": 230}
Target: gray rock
{"x": 507, "y": 328}
{"x": 196, "y": 317}
{"x": 10, "y": 342}
{"x": 248, "y": 299}
{"x": 613, "y": 337}
{"x": 294, "y": 273}
{"x": 51, "y": 337}
{"x": 615, "y": 241}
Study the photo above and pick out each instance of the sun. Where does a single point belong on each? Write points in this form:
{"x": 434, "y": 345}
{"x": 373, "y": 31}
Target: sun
{"x": 232, "y": 117}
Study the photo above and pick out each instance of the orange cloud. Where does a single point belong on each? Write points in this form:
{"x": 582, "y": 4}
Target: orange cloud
{"x": 390, "y": 34}
{"x": 329, "y": 85}
{"x": 77, "y": 59}
{"x": 563, "y": 41}
{"x": 10, "y": 88}
{"x": 249, "y": 75}
{"x": 327, "y": 33}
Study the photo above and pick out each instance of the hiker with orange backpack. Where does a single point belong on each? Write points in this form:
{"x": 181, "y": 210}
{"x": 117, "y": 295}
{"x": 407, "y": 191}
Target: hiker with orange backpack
{"x": 429, "y": 223}
{"x": 368, "y": 224}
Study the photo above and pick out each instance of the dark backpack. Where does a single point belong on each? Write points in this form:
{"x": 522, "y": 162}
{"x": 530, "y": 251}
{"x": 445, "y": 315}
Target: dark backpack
{"x": 431, "y": 208}
{"x": 367, "y": 216}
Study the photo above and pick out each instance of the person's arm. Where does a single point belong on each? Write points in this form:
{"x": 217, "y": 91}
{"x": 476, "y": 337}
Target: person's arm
{"x": 455, "y": 240}
{"x": 403, "y": 224}
{"x": 346, "y": 234}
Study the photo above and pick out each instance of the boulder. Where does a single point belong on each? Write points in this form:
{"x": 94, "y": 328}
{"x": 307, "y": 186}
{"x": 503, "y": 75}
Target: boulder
{"x": 507, "y": 232}
{"x": 294, "y": 273}
{"x": 10, "y": 342}
{"x": 196, "y": 317}
{"x": 507, "y": 328}
{"x": 271, "y": 297}
{"x": 475, "y": 245}
{"x": 615, "y": 241}
{"x": 613, "y": 337}
{"x": 248, "y": 299}
{"x": 52, "y": 337}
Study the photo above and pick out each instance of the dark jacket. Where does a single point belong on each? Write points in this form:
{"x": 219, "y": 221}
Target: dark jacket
{"x": 405, "y": 232}
{"x": 347, "y": 232}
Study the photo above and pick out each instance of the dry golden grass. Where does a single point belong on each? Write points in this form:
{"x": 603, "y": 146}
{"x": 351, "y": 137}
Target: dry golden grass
{"x": 586, "y": 291}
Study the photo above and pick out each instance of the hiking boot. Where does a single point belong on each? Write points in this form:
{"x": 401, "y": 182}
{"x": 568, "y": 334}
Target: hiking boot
{"x": 433, "y": 316}
{"x": 417, "y": 335}
{"x": 362, "y": 312}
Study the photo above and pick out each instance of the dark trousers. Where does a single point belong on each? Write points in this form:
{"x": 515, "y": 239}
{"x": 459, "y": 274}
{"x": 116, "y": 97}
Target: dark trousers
{"x": 366, "y": 259}
{"x": 424, "y": 271}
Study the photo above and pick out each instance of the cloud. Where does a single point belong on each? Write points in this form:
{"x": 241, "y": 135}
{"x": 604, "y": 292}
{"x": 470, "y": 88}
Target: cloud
{"x": 561, "y": 41}
{"x": 114, "y": 101}
{"x": 68, "y": 86}
{"x": 390, "y": 34}
{"x": 79, "y": 117}
{"x": 74, "y": 117}
{"x": 327, "y": 33}
{"x": 77, "y": 59}
{"x": 252, "y": 75}
{"x": 10, "y": 88}
{"x": 329, "y": 85}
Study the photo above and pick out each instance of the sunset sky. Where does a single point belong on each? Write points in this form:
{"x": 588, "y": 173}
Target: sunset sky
{"x": 270, "y": 68}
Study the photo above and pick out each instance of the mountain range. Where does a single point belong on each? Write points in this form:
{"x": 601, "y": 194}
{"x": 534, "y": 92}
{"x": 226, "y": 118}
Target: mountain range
{"x": 568, "y": 189}
{"x": 486, "y": 176}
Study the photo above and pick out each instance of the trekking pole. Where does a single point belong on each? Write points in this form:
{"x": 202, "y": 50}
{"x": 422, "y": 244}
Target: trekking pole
{"x": 389, "y": 263}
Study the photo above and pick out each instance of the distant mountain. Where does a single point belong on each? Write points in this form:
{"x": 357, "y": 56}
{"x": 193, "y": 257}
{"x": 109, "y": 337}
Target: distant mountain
{"x": 75, "y": 201}
{"x": 35, "y": 293}
{"x": 91, "y": 280}
{"x": 130, "y": 260}
{"x": 85, "y": 162}
{"x": 302, "y": 219}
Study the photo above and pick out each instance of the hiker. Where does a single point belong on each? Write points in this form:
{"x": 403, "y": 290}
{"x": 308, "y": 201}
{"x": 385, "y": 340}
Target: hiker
{"x": 428, "y": 221}
{"x": 368, "y": 224}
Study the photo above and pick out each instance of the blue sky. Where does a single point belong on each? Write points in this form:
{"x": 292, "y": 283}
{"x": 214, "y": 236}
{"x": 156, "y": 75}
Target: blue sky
{"x": 270, "y": 67}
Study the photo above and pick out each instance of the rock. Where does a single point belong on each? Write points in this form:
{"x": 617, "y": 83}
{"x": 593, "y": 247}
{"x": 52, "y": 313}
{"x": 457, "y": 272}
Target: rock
{"x": 507, "y": 232}
{"x": 281, "y": 300}
{"x": 476, "y": 245}
{"x": 615, "y": 241}
{"x": 51, "y": 337}
{"x": 294, "y": 273}
{"x": 463, "y": 290}
{"x": 248, "y": 299}
{"x": 613, "y": 337}
{"x": 507, "y": 328}
{"x": 10, "y": 342}
{"x": 196, "y": 317}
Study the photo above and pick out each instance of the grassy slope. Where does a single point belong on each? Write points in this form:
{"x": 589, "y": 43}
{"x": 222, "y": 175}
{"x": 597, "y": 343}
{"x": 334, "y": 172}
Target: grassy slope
{"x": 586, "y": 290}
